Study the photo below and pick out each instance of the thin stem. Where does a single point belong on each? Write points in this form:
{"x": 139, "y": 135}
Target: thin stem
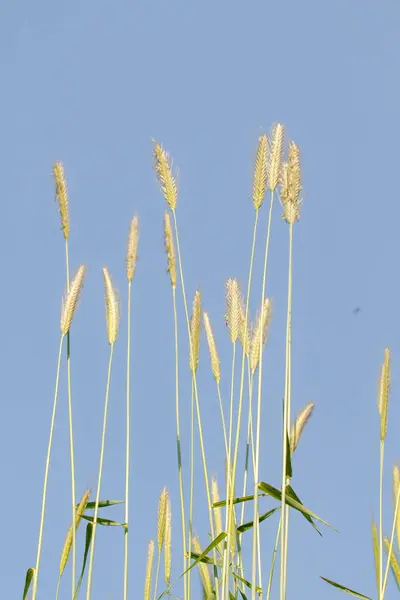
{"x": 271, "y": 573}
{"x": 191, "y": 483}
{"x": 382, "y": 451}
{"x": 157, "y": 575}
{"x": 96, "y": 508}
{"x": 178, "y": 442}
{"x": 127, "y": 455}
{"x": 256, "y": 526}
{"x": 46, "y": 475}
{"x": 396, "y": 509}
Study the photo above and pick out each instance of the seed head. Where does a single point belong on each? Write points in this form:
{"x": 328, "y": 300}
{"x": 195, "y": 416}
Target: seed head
{"x": 131, "y": 253}
{"x": 166, "y": 179}
{"x": 71, "y": 299}
{"x": 112, "y": 308}
{"x": 62, "y": 197}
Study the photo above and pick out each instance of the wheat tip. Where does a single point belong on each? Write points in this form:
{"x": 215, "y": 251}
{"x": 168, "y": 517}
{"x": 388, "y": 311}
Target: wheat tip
{"x": 291, "y": 185}
{"x": 62, "y": 197}
{"x": 167, "y": 544}
{"x": 166, "y": 179}
{"x": 299, "y": 424}
{"x": 131, "y": 253}
{"x": 260, "y": 172}
{"x": 204, "y": 571}
{"x": 384, "y": 390}
{"x": 70, "y": 300}
{"x": 161, "y": 516}
{"x": 68, "y": 540}
{"x": 260, "y": 333}
{"x": 275, "y": 150}
{"x": 149, "y": 571}
{"x": 212, "y": 348}
{"x": 195, "y": 323}
{"x": 112, "y": 308}
{"x": 170, "y": 249}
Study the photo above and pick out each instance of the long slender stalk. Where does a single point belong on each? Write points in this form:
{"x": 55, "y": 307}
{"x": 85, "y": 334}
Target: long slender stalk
{"x": 128, "y": 436}
{"x": 96, "y": 507}
{"x": 202, "y": 449}
{"x": 256, "y": 527}
{"x": 286, "y": 420}
{"x": 46, "y": 475}
{"x": 191, "y": 496}
{"x": 381, "y": 462}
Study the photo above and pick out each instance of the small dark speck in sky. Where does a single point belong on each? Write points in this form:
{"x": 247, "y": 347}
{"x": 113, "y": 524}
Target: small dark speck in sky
{"x": 356, "y": 310}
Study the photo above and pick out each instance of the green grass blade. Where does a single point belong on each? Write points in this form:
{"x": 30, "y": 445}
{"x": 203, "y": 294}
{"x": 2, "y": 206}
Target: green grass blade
{"x": 102, "y": 504}
{"x": 261, "y": 518}
{"x": 244, "y": 597}
{"x": 346, "y": 589}
{"x": 246, "y": 583}
{"x": 290, "y": 491}
{"x": 206, "y": 560}
{"x": 105, "y": 522}
{"x": 289, "y": 471}
{"x": 275, "y": 493}
{"x": 210, "y": 547}
{"x": 89, "y": 533}
{"x": 29, "y": 576}
{"x": 236, "y": 500}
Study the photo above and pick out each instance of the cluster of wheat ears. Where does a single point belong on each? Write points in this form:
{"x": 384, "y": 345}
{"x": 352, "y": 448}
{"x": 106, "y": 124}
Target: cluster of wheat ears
{"x": 277, "y": 174}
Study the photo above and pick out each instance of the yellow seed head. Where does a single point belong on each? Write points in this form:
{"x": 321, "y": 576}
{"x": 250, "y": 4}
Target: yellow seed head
{"x": 149, "y": 571}
{"x": 215, "y": 364}
{"x": 384, "y": 390}
{"x": 233, "y": 309}
{"x": 275, "y": 155}
{"x": 375, "y": 548}
{"x": 68, "y": 540}
{"x": 131, "y": 254}
{"x": 204, "y": 571}
{"x": 260, "y": 172}
{"x": 161, "y": 517}
{"x": 396, "y": 486}
{"x": 394, "y": 563}
{"x": 291, "y": 185}
{"x": 170, "y": 248}
{"x": 260, "y": 333}
{"x": 112, "y": 308}
{"x": 299, "y": 424}
{"x": 62, "y": 197}
{"x": 166, "y": 179}
{"x": 71, "y": 299}
{"x": 167, "y": 544}
{"x": 195, "y": 323}
{"x": 244, "y": 329}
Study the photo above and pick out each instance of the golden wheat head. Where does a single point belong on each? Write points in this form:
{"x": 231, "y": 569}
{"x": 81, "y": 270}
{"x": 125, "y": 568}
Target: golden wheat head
{"x": 291, "y": 185}
{"x": 62, "y": 197}
{"x": 68, "y": 540}
{"x": 149, "y": 571}
{"x": 71, "y": 299}
{"x": 204, "y": 571}
{"x": 275, "y": 149}
{"x": 131, "y": 253}
{"x": 396, "y": 485}
{"x": 168, "y": 544}
{"x": 384, "y": 390}
{"x": 112, "y": 308}
{"x": 166, "y": 179}
{"x": 195, "y": 325}
{"x": 299, "y": 424}
{"x": 260, "y": 333}
{"x": 161, "y": 516}
{"x": 260, "y": 172}
{"x": 233, "y": 309}
{"x": 212, "y": 347}
{"x": 170, "y": 248}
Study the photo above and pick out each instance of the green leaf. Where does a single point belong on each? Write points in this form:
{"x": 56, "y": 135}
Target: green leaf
{"x": 346, "y": 589}
{"x": 290, "y": 491}
{"x": 89, "y": 533}
{"x": 289, "y": 471}
{"x": 261, "y": 518}
{"x": 244, "y": 597}
{"x": 247, "y": 583}
{"x": 206, "y": 560}
{"x": 210, "y": 547}
{"x": 268, "y": 489}
{"x": 231, "y": 596}
{"x": 235, "y": 500}
{"x": 29, "y": 576}
{"x": 105, "y": 522}
{"x": 102, "y": 504}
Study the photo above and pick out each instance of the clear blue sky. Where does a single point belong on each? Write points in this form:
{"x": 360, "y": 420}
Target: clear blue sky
{"x": 90, "y": 83}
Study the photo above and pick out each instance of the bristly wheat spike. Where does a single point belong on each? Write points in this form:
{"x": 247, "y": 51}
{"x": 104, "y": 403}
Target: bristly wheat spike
{"x": 195, "y": 324}
{"x": 112, "y": 308}
{"x": 170, "y": 248}
{"x": 161, "y": 517}
{"x": 260, "y": 331}
{"x": 291, "y": 185}
{"x": 62, "y": 197}
{"x": 275, "y": 155}
{"x": 394, "y": 563}
{"x": 233, "y": 313}
{"x": 260, "y": 172}
{"x": 299, "y": 424}
{"x": 68, "y": 540}
{"x": 131, "y": 253}
{"x": 149, "y": 571}
{"x": 215, "y": 364}
{"x": 168, "y": 544}
{"x": 166, "y": 179}
{"x": 204, "y": 572}
{"x": 375, "y": 548}
{"x": 244, "y": 329}
{"x": 396, "y": 485}
{"x": 217, "y": 511}
{"x": 384, "y": 390}
{"x": 71, "y": 299}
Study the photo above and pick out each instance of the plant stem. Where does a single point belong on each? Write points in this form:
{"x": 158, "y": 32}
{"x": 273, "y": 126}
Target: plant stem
{"x": 127, "y": 456}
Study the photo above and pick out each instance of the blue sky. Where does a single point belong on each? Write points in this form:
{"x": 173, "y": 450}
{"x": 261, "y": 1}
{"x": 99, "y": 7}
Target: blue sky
{"x": 90, "y": 83}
